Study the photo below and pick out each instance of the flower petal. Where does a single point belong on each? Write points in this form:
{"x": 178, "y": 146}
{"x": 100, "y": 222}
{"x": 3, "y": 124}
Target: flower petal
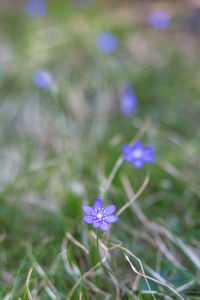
{"x": 149, "y": 158}
{"x": 127, "y": 152}
{"x": 148, "y": 149}
{"x": 88, "y": 219}
{"x": 112, "y": 219}
{"x": 148, "y": 155}
{"x": 137, "y": 145}
{"x": 137, "y": 163}
{"x": 88, "y": 210}
{"x": 104, "y": 226}
{"x": 96, "y": 224}
{"x": 109, "y": 210}
{"x": 126, "y": 148}
{"x": 98, "y": 203}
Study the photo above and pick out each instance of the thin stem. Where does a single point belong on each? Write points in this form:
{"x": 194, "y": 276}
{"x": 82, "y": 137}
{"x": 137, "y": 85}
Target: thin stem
{"x": 98, "y": 244}
{"x": 139, "y": 192}
{"x": 98, "y": 251}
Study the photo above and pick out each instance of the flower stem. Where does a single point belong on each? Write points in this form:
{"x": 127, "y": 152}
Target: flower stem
{"x": 98, "y": 244}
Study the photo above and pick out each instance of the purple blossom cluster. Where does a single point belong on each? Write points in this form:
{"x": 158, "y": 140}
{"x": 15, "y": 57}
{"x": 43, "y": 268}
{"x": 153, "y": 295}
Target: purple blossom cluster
{"x": 98, "y": 215}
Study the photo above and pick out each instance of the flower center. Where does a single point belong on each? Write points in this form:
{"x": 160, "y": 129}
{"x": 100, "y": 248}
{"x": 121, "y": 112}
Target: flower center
{"x": 137, "y": 153}
{"x": 99, "y": 216}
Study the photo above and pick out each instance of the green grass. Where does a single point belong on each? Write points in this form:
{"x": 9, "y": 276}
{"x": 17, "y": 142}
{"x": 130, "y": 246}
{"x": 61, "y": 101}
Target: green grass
{"x": 58, "y": 149}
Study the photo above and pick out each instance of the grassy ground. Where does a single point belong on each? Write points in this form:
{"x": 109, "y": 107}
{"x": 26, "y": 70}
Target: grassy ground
{"x": 58, "y": 149}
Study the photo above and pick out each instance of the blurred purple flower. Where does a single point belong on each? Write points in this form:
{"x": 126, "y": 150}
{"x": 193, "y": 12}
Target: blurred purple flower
{"x": 106, "y": 42}
{"x": 43, "y": 79}
{"x": 137, "y": 154}
{"x": 128, "y": 99}
{"x": 98, "y": 216}
{"x": 159, "y": 19}
{"x": 193, "y": 20}
{"x": 35, "y": 8}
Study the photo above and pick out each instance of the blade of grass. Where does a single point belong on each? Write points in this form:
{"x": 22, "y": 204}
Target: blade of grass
{"x": 16, "y": 279}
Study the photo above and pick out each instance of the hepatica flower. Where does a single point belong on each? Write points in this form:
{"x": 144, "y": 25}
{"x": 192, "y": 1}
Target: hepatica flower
{"x": 128, "y": 98}
{"x": 106, "y": 42}
{"x": 43, "y": 79}
{"x": 137, "y": 154}
{"x": 159, "y": 19}
{"x": 35, "y": 8}
{"x": 128, "y": 102}
{"x": 99, "y": 216}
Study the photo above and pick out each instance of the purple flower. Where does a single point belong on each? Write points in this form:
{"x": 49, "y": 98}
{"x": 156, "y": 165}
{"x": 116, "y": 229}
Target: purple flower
{"x": 106, "y": 42}
{"x": 43, "y": 79}
{"x": 193, "y": 20}
{"x": 128, "y": 99}
{"x": 99, "y": 216}
{"x": 137, "y": 154}
{"x": 35, "y": 8}
{"x": 159, "y": 19}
